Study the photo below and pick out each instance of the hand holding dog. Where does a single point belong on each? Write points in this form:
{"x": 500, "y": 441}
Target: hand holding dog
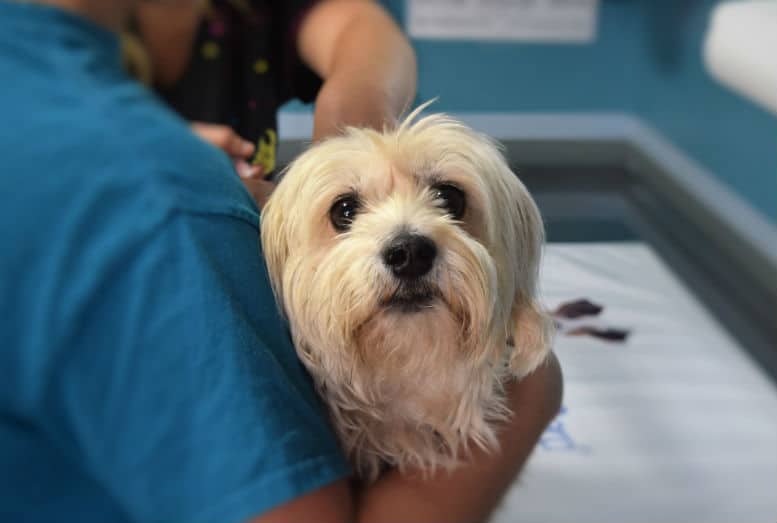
{"x": 239, "y": 150}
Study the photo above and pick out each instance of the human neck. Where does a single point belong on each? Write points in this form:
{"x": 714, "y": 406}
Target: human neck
{"x": 111, "y": 14}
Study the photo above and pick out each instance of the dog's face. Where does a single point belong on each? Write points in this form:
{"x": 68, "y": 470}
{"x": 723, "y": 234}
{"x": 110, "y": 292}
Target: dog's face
{"x": 415, "y": 248}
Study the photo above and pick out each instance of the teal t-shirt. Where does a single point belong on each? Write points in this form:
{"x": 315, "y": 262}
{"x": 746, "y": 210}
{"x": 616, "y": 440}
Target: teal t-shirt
{"x": 145, "y": 373}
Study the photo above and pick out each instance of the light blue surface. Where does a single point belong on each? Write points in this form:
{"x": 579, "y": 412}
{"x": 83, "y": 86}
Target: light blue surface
{"x": 646, "y": 60}
{"x": 145, "y": 373}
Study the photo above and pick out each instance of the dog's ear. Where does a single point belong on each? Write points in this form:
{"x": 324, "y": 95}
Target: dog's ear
{"x": 530, "y": 327}
{"x": 532, "y": 337}
{"x": 275, "y": 242}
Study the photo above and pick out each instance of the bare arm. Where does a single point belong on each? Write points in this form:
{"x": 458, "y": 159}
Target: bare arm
{"x": 367, "y": 64}
{"x": 468, "y": 495}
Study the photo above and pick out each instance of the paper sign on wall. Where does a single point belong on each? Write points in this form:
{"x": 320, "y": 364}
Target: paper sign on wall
{"x": 550, "y": 21}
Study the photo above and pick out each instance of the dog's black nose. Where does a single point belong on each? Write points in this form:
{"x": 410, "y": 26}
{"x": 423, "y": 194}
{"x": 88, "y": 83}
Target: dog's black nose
{"x": 410, "y": 256}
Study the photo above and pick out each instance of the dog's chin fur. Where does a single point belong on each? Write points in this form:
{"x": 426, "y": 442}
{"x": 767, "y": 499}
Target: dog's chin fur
{"x": 430, "y": 397}
{"x": 412, "y": 373}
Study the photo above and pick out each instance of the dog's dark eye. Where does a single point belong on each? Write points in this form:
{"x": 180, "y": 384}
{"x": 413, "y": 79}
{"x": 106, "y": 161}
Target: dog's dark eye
{"x": 450, "y": 198}
{"x": 343, "y": 212}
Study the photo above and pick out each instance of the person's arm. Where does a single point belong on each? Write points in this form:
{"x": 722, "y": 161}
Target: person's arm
{"x": 367, "y": 65}
{"x": 467, "y": 495}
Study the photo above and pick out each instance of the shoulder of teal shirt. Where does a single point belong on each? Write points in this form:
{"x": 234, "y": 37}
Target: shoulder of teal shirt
{"x": 195, "y": 176}
{"x": 197, "y": 181}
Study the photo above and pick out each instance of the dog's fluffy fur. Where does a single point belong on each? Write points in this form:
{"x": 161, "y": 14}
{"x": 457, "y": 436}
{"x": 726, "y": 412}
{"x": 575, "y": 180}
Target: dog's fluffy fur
{"x": 409, "y": 388}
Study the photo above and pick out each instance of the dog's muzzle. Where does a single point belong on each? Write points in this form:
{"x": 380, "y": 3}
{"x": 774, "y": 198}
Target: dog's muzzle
{"x": 410, "y": 256}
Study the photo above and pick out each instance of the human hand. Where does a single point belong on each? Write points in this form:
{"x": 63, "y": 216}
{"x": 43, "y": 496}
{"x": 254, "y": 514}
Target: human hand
{"x": 238, "y": 149}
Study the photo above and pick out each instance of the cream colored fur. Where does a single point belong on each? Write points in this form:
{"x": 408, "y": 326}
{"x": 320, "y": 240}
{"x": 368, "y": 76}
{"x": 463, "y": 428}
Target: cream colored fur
{"x": 409, "y": 389}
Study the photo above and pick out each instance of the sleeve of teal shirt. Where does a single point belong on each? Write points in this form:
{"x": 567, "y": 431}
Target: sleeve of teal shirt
{"x": 196, "y": 409}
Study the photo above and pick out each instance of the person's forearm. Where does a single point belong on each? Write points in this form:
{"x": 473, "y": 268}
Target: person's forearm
{"x": 470, "y": 493}
{"x": 369, "y": 69}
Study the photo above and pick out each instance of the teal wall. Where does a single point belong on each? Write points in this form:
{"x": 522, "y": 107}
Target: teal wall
{"x": 646, "y": 60}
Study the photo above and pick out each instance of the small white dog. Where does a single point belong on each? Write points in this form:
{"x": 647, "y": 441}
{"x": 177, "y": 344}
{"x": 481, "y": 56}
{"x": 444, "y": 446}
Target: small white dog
{"x": 406, "y": 263}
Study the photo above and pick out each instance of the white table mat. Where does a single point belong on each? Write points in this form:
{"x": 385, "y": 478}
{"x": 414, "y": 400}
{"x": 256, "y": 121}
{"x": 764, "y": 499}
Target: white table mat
{"x": 675, "y": 425}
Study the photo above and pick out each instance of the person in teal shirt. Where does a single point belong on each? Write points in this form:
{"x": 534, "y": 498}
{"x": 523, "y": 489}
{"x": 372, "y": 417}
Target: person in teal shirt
{"x": 146, "y": 375}
{"x": 140, "y": 339}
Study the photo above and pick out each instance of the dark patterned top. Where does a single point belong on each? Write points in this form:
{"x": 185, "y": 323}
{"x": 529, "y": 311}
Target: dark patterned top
{"x": 244, "y": 66}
